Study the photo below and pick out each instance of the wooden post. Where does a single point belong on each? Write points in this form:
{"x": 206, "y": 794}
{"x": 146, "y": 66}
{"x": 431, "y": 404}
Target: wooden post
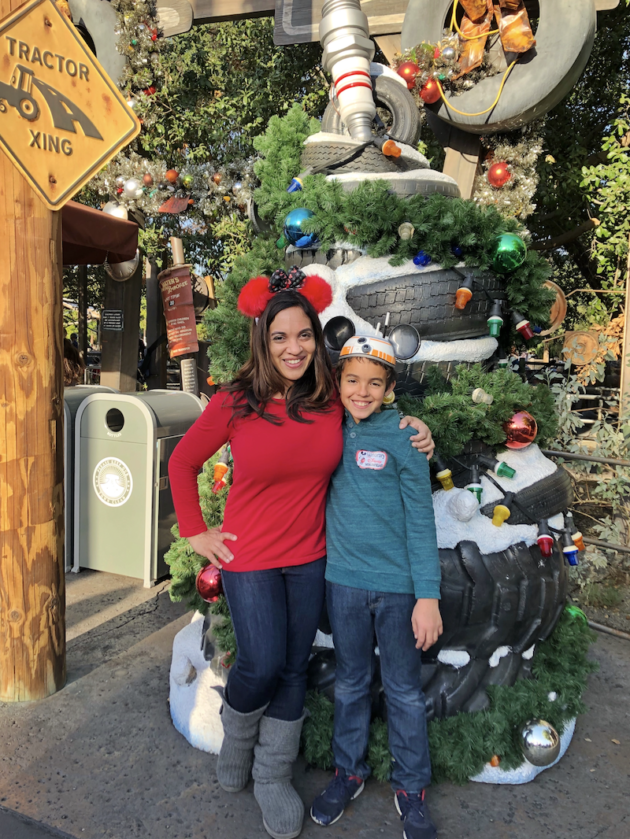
{"x": 119, "y": 353}
{"x": 32, "y": 581}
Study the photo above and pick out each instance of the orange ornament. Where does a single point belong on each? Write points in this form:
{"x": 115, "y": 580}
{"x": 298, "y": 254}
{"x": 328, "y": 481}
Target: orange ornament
{"x": 499, "y": 175}
{"x": 495, "y": 761}
{"x": 217, "y": 178}
{"x": 430, "y": 93}
{"x": 171, "y": 176}
{"x": 408, "y": 71}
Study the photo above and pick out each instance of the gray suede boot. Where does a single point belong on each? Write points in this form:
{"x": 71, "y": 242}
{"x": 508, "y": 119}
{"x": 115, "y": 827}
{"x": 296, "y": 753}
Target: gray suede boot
{"x": 275, "y": 754}
{"x": 237, "y": 752}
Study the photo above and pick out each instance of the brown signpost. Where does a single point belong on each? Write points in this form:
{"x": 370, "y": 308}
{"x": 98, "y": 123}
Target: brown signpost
{"x": 54, "y": 100}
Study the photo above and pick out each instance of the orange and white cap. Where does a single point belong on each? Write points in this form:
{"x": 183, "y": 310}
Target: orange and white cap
{"x": 369, "y": 347}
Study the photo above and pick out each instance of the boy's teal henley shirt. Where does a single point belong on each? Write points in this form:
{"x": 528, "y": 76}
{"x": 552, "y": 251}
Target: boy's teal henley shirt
{"x": 380, "y": 528}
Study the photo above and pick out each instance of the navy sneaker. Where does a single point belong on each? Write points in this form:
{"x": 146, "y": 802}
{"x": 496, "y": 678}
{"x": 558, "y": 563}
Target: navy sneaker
{"x": 414, "y": 815}
{"x": 330, "y": 805}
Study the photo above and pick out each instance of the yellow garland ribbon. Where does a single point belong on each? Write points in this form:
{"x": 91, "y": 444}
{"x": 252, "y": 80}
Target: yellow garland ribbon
{"x": 480, "y": 113}
{"x": 461, "y": 34}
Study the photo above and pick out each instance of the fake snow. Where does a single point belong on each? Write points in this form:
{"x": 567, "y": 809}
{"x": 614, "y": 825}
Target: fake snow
{"x": 365, "y": 269}
{"x": 196, "y": 691}
{"x": 552, "y": 696}
{"x": 456, "y": 658}
{"x": 498, "y": 654}
{"x": 531, "y": 465}
{"x": 529, "y": 654}
{"x": 323, "y": 640}
{"x": 526, "y": 772}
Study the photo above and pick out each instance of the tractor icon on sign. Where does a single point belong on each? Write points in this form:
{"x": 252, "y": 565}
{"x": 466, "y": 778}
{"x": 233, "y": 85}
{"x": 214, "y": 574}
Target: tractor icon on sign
{"x": 63, "y": 111}
{"x": 18, "y": 93}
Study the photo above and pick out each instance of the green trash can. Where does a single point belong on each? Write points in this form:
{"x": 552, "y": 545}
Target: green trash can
{"x": 72, "y": 399}
{"x": 123, "y": 511}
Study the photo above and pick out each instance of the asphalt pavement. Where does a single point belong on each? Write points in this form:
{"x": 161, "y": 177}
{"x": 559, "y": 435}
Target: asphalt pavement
{"x": 101, "y": 758}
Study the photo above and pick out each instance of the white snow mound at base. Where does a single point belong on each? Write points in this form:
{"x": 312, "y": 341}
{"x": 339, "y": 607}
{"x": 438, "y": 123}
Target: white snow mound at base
{"x": 526, "y": 772}
{"x": 196, "y": 692}
{"x": 531, "y": 465}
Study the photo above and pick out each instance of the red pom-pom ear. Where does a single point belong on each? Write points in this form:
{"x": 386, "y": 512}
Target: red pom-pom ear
{"x": 318, "y": 292}
{"x": 254, "y": 297}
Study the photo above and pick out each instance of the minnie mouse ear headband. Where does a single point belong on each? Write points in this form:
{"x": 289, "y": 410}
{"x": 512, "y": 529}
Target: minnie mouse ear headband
{"x": 377, "y": 348}
{"x": 256, "y": 294}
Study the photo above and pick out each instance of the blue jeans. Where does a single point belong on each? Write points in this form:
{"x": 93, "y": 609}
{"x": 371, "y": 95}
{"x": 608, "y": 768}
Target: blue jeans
{"x": 275, "y": 615}
{"x": 355, "y": 616}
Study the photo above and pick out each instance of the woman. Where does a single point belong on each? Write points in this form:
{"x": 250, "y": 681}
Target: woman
{"x": 282, "y": 418}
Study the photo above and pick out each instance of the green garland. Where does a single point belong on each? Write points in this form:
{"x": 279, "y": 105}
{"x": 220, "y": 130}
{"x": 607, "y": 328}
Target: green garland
{"x": 461, "y": 745}
{"x": 454, "y": 418}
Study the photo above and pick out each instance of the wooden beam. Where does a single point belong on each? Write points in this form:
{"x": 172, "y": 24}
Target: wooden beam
{"x": 389, "y": 45}
{"x": 32, "y": 580}
{"x": 565, "y": 238}
{"x": 119, "y": 354}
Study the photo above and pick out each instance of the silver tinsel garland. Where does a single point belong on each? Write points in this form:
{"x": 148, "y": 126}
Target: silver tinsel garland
{"x": 520, "y": 150}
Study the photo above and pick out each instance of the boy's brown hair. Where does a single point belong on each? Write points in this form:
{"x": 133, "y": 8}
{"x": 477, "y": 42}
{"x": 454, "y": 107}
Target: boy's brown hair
{"x": 390, "y": 371}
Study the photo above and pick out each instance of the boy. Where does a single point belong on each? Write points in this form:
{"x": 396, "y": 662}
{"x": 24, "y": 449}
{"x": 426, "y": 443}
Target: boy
{"x": 383, "y": 577}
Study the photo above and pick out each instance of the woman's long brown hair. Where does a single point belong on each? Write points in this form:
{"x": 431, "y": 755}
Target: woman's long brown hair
{"x": 258, "y": 379}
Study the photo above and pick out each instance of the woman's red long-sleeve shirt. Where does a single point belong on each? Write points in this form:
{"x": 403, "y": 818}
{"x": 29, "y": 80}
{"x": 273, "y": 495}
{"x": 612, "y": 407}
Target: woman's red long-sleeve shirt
{"x": 277, "y": 502}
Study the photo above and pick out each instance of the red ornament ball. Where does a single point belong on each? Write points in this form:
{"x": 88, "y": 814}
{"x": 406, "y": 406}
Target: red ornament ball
{"x": 408, "y": 71}
{"x": 521, "y": 430}
{"x": 499, "y": 175}
{"x": 119, "y": 190}
{"x": 430, "y": 93}
{"x": 147, "y": 179}
{"x": 209, "y": 583}
{"x": 171, "y": 176}
{"x": 149, "y": 91}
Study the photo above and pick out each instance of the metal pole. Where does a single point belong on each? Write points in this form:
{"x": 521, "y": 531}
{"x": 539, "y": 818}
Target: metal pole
{"x": 608, "y": 461}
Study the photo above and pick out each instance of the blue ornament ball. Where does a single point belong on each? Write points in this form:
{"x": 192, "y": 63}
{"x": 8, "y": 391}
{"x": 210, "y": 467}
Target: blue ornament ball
{"x": 422, "y": 259}
{"x": 457, "y": 251}
{"x": 293, "y": 227}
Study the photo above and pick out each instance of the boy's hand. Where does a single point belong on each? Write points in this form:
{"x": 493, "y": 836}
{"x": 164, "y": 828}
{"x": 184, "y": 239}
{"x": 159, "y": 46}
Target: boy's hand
{"x": 423, "y": 440}
{"x": 426, "y": 622}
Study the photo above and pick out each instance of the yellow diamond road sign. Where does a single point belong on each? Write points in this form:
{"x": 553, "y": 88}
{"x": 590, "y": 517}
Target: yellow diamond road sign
{"x": 61, "y": 116}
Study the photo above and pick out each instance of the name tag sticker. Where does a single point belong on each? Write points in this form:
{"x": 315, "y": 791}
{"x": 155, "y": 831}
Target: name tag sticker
{"x": 371, "y": 460}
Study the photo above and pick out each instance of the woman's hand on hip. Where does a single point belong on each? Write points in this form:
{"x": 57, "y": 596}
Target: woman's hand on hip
{"x": 212, "y": 545}
{"x": 423, "y": 440}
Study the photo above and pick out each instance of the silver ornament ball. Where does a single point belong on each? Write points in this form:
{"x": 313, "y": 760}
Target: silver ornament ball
{"x": 540, "y": 742}
{"x": 121, "y": 271}
{"x": 132, "y": 188}
{"x": 448, "y": 54}
{"x": 120, "y": 181}
{"x": 238, "y": 186}
{"x": 113, "y": 208}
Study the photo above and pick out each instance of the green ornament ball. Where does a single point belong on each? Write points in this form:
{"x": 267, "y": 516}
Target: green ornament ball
{"x": 510, "y": 252}
{"x": 188, "y": 181}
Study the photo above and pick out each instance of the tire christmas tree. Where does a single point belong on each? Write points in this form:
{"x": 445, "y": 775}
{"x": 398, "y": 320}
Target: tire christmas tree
{"x": 453, "y": 285}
